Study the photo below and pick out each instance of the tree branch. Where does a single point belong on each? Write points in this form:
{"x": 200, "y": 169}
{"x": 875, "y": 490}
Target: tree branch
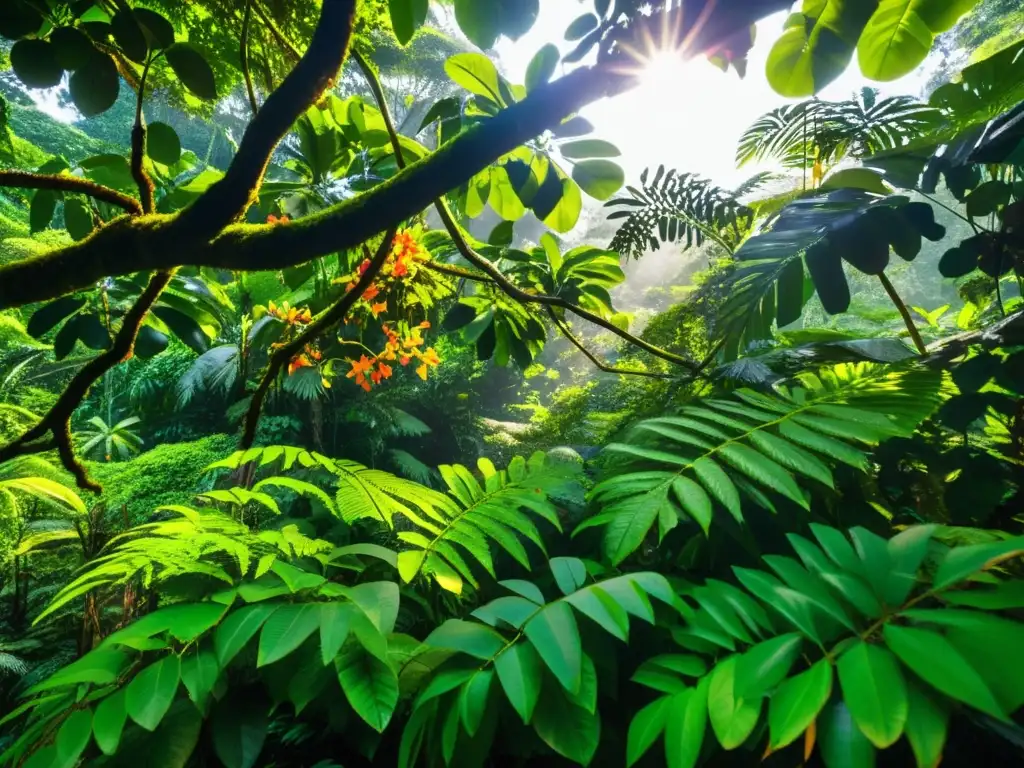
{"x": 331, "y": 316}
{"x": 142, "y": 180}
{"x": 244, "y": 53}
{"x": 230, "y": 197}
{"x": 58, "y": 420}
{"x": 65, "y": 183}
{"x": 567, "y": 332}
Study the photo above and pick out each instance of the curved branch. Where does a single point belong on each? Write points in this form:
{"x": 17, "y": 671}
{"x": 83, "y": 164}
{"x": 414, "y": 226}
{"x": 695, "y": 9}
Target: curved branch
{"x": 454, "y": 271}
{"x": 244, "y": 54}
{"x": 58, "y": 420}
{"x": 142, "y": 180}
{"x": 331, "y": 316}
{"x": 231, "y": 196}
{"x": 567, "y": 332}
{"x": 65, "y": 183}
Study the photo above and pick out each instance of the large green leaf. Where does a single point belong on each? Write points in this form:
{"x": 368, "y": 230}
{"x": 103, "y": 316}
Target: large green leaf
{"x": 875, "y": 692}
{"x": 149, "y": 695}
{"x": 599, "y": 178}
{"x": 733, "y": 719}
{"x": 406, "y": 17}
{"x": 238, "y": 629}
{"x": 285, "y": 630}
{"x": 369, "y": 684}
{"x": 193, "y": 71}
{"x": 796, "y": 703}
{"x": 816, "y": 46}
{"x": 238, "y": 727}
{"x": 520, "y": 674}
{"x": 900, "y": 34}
{"x": 841, "y": 743}
{"x": 553, "y": 632}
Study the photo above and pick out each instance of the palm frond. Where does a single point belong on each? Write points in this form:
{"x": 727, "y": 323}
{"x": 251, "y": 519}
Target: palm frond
{"x": 215, "y": 371}
{"x": 677, "y": 207}
{"x": 739, "y": 450}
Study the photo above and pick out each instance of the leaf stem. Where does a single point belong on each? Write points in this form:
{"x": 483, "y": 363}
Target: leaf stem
{"x": 904, "y": 313}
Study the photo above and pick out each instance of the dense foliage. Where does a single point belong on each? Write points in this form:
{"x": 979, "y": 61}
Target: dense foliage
{"x": 326, "y": 439}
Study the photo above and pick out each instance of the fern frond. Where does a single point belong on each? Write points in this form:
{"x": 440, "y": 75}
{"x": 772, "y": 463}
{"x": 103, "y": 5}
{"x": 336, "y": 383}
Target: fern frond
{"x": 215, "y": 371}
{"x": 726, "y": 450}
{"x": 411, "y": 467}
{"x": 678, "y": 207}
{"x": 501, "y": 509}
{"x": 12, "y": 665}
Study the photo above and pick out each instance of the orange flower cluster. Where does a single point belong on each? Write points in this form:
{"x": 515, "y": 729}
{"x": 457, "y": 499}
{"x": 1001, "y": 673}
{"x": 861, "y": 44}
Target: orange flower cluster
{"x": 408, "y": 349}
{"x": 272, "y": 219}
{"x": 364, "y": 367}
{"x": 290, "y": 315}
{"x": 307, "y": 359}
{"x": 401, "y": 262}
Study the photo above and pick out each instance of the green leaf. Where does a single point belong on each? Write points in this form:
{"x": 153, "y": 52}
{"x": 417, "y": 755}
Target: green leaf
{"x": 816, "y": 46}
{"x": 406, "y": 17}
{"x": 238, "y": 727}
{"x": 933, "y": 658}
{"x": 927, "y": 722}
{"x": 35, "y": 63}
{"x": 732, "y": 719}
{"x": 199, "y": 673}
{"x": 900, "y": 34}
{"x": 520, "y": 674}
{"x": 238, "y": 629}
{"x": 685, "y": 726}
{"x": 129, "y": 36}
{"x": 581, "y": 25}
{"x": 875, "y": 692}
{"x": 569, "y": 730}
{"x": 162, "y": 143}
{"x": 149, "y": 695}
{"x": 73, "y": 738}
{"x": 542, "y": 67}
{"x": 718, "y": 484}
{"x": 476, "y": 73}
{"x": 556, "y": 637}
{"x": 476, "y": 640}
{"x": 193, "y": 71}
{"x": 94, "y": 86}
{"x": 796, "y": 703}
{"x": 158, "y": 30}
{"x": 285, "y": 630}
{"x": 370, "y": 685}
{"x": 379, "y": 601}
{"x": 766, "y": 665}
{"x": 99, "y": 667}
{"x": 645, "y": 728}
{"x": 44, "y": 203}
{"x": 479, "y": 21}
{"x": 599, "y": 178}
{"x": 857, "y": 178}
{"x": 77, "y": 218}
{"x": 963, "y": 562}
{"x": 473, "y": 700}
{"x": 108, "y": 722}
{"x": 73, "y": 47}
{"x": 570, "y": 573}
{"x": 840, "y": 741}
{"x": 335, "y": 623}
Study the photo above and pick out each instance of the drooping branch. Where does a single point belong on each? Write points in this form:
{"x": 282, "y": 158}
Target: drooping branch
{"x": 563, "y": 327}
{"x": 328, "y": 318}
{"x": 908, "y": 321}
{"x": 230, "y": 197}
{"x": 57, "y": 421}
{"x": 64, "y": 183}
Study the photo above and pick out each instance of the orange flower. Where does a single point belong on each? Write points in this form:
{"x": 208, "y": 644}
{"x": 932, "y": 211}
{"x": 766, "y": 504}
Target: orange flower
{"x": 404, "y": 359}
{"x": 371, "y": 293}
{"x": 379, "y": 309}
{"x": 400, "y": 269}
{"x": 424, "y": 325}
{"x": 300, "y": 361}
{"x": 413, "y": 341}
{"x": 272, "y": 219}
{"x": 364, "y": 266}
{"x": 430, "y": 356}
{"x": 360, "y": 367}
{"x": 385, "y": 370}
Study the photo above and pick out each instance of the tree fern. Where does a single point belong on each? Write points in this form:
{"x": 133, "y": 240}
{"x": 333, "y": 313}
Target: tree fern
{"x": 680, "y": 207}
{"x": 849, "y": 636}
{"x": 746, "y": 448}
{"x": 498, "y": 510}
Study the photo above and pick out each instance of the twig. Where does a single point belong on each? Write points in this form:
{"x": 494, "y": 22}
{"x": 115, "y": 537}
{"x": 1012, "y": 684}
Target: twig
{"x": 142, "y": 180}
{"x": 564, "y": 328}
{"x": 904, "y": 313}
{"x": 64, "y": 183}
{"x": 244, "y": 52}
{"x": 453, "y": 271}
{"x": 284, "y": 42}
{"x": 331, "y": 316}
{"x": 58, "y": 420}
{"x": 492, "y": 272}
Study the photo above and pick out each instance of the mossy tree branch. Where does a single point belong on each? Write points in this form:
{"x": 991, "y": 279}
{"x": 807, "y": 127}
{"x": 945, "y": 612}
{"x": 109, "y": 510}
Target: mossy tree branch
{"x": 563, "y": 327}
{"x": 66, "y": 183}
